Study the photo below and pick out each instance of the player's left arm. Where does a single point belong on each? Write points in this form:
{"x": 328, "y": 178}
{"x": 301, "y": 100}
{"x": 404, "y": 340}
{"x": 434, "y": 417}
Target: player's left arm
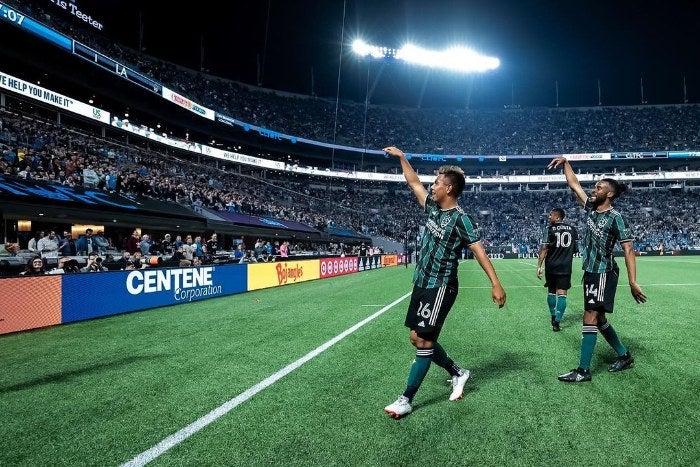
{"x": 498, "y": 295}
{"x": 631, "y": 263}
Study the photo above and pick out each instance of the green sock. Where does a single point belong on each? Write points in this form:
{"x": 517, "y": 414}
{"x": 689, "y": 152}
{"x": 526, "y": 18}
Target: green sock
{"x": 552, "y": 303}
{"x": 439, "y": 355}
{"x": 561, "y": 306}
{"x": 441, "y": 359}
{"x": 418, "y": 371}
{"x": 611, "y": 336}
{"x": 590, "y": 334}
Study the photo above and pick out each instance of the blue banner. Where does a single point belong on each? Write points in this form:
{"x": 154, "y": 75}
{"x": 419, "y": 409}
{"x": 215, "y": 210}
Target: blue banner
{"x": 92, "y": 295}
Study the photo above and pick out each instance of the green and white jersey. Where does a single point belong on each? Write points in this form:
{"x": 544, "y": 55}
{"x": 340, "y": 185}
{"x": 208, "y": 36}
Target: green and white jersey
{"x": 603, "y": 229}
{"x": 446, "y": 233}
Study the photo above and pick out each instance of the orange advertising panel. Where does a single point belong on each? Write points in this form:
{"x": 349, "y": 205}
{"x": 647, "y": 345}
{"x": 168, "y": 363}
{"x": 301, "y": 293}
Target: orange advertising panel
{"x": 29, "y": 302}
{"x": 390, "y": 260}
{"x": 264, "y": 275}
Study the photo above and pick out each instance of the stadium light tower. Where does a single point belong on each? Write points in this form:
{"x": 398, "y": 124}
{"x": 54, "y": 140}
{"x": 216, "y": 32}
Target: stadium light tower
{"x": 457, "y": 58}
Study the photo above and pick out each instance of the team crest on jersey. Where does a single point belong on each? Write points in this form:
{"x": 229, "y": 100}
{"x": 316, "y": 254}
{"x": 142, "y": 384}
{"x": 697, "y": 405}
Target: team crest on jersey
{"x": 445, "y": 221}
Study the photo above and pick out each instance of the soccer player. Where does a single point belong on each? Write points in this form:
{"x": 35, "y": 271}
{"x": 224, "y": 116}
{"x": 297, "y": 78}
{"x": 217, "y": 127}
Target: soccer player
{"x": 447, "y": 229}
{"x": 604, "y": 226}
{"x": 559, "y": 244}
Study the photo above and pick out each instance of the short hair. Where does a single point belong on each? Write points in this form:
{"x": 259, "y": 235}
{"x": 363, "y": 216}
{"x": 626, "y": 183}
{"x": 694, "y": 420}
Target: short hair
{"x": 455, "y": 175}
{"x": 560, "y": 212}
{"x": 617, "y": 187}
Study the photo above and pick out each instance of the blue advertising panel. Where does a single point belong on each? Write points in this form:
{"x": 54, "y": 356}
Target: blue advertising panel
{"x": 92, "y": 295}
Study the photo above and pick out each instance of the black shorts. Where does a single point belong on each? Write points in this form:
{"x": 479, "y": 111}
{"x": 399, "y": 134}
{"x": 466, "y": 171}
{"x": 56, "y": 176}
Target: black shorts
{"x": 599, "y": 290}
{"x": 428, "y": 310}
{"x": 557, "y": 281}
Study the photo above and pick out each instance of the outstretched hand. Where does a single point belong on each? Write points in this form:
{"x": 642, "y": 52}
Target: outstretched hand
{"x": 393, "y": 151}
{"x": 556, "y": 162}
{"x": 637, "y": 293}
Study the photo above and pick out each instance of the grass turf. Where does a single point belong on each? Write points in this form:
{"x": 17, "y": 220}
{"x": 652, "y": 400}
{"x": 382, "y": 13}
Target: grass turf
{"x": 102, "y": 391}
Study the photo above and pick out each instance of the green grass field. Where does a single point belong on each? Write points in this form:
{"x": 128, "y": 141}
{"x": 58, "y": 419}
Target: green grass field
{"x": 103, "y": 392}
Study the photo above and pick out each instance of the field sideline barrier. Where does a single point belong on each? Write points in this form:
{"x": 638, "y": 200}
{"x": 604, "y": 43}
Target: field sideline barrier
{"x": 40, "y": 301}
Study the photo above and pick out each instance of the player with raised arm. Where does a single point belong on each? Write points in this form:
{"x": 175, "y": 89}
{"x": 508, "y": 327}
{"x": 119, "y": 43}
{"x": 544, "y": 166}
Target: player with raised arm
{"x": 604, "y": 227}
{"x": 559, "y": 244}
{"x": 447, "y": 230}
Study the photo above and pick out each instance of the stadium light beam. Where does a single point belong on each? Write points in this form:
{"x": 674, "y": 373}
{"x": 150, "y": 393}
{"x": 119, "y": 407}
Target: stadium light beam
{"x": 457, "y": 58}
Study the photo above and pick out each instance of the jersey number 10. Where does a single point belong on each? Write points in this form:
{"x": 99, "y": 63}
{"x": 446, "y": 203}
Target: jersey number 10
{"x": 563, "y": 239}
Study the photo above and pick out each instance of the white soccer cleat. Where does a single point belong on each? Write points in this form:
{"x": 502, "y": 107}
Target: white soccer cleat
{"x": 458, "y": 383}
{"x": 399, "y": 408}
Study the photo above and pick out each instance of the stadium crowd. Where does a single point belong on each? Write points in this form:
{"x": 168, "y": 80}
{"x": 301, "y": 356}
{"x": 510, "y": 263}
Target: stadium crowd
{"x": 426, "y": 130}
{"x": 512, "y": 220}
{"x": 36, "y": 150}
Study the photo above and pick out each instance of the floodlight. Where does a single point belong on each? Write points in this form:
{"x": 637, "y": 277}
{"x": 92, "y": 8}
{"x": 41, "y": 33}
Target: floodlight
{"x": 363, "y": 49}
{"x": 455, "y": 58}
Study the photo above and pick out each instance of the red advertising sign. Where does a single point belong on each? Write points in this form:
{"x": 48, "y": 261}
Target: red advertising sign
{"x": 338, "y": 266}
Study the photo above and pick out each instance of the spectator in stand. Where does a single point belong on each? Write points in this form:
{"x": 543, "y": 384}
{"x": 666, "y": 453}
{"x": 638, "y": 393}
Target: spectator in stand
{"x": 166, "y": 246}
{"x": 125, "y": 260}
{"x": 145, "y": 244}
{"x": 32, "y": 245}
{"x": 66, "y": 245}
{"x": 35, "y": 267}
{"x": 132, "y": 243}
{"x": 86, "y": 244}
{"x": 177, "y": 255}
{"x": 200, "y": 248}
{"x": 137, "y": 260}
{"x": 239, "y": 252}
{"x": 212, "y": 244}
{"x": 60, "y": 268}
{"x": 188, "y": 248}
{"x": 102, "y": 244}
{"x": 48, "y": 246}
{"x": 94, "y": 264}
{"x": 284, "y": 249}
{"x": 178, "y": 243}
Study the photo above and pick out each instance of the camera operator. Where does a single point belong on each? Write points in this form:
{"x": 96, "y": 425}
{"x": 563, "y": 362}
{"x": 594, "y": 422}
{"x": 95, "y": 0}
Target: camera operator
{"x": 94, "y": 264}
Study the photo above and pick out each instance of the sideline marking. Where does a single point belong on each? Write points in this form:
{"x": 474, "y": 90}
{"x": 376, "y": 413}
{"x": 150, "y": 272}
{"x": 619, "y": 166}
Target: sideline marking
{"x": 173, "y": 440}
{"x": 573, "y": 286}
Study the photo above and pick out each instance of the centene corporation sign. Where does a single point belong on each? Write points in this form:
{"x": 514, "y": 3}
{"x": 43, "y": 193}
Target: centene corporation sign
{"x": 187, "y": 283}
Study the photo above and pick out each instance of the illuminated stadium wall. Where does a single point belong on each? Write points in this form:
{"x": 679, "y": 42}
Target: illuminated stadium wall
{"x": 58, "y": 299}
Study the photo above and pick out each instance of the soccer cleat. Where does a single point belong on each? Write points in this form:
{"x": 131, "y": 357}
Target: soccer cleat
{"x": 458, "y": 383}
{"x": 622, "y": 363}
{"x": 399, "y": 408}
{"x": 554, "y": 319}
{"x": 577, "y": 375}
{"x": 555, "y": 326}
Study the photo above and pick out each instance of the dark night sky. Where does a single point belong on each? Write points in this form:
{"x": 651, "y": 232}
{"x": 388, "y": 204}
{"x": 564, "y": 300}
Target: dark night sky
{"x": 573, "y": 42}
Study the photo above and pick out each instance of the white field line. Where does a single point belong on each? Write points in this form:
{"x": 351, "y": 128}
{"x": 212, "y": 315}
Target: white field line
{"x": 173, "y": 440}
{"x": 578, "y": 286}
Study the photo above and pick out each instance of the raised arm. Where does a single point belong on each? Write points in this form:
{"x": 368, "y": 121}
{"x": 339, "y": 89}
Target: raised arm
{"x": 571, "y": 179}
{"x": 410, "y": 174}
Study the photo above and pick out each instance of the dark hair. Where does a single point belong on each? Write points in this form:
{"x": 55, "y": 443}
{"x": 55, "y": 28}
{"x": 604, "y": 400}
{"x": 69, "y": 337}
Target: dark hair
{"x": 29, "y": 269}
{"x": 560, "y": 212}
{"x": 618, "y": 188}
{"x": 456, "y": 177}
